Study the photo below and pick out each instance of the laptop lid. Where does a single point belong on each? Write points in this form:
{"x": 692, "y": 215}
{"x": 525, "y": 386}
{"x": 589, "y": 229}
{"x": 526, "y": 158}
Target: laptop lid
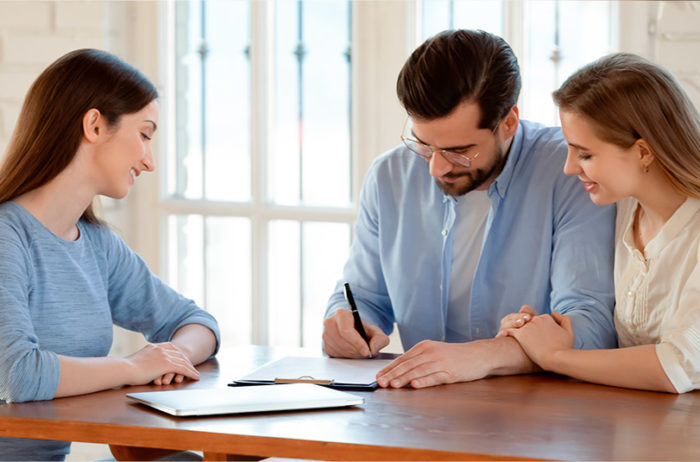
{"x": 258, "y": 398}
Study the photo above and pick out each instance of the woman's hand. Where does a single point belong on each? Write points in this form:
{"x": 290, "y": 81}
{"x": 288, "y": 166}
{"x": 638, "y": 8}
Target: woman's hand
{"x": 160, "y": 363}
{"x": 516, "y": 320}
{"x": 543, "y": 337}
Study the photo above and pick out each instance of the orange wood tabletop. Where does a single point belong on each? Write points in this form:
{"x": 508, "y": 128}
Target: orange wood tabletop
{"x": 539, "y": 416}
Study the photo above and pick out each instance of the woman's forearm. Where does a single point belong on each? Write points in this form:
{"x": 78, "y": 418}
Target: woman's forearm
{"x": 191, "y": 344}
{"x": 88, "y": 375}
{"x": 197, "y": 341}
{"x": 631, "y": 367}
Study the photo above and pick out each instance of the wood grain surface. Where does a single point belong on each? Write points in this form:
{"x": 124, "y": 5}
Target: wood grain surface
{"x": 539, "y": 416}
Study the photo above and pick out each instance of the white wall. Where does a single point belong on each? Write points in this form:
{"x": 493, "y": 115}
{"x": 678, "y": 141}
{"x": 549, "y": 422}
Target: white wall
{"x": 32, "y": 35}
{"x": 668, "y": 33}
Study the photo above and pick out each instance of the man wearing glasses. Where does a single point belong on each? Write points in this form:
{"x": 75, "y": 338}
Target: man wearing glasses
{"x": 498, "y": 226}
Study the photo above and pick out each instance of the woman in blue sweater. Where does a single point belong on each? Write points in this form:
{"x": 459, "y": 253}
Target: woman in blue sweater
{"x": 85, "y": 130}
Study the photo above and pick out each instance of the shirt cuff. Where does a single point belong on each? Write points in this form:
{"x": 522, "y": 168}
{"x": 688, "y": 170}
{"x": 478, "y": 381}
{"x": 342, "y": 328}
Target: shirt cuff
{"x": 669, "y": 358}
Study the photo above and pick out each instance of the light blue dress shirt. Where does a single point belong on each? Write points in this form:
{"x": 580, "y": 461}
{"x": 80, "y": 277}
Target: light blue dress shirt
{"x": 546, "y": 244}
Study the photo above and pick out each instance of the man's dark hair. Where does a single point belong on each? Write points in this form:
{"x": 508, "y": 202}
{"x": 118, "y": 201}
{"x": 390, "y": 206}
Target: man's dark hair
{"x": 456, "y": 66}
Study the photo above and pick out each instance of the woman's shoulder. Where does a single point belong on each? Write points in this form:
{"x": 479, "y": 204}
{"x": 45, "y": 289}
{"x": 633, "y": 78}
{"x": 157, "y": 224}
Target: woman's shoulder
{"x": 15, "y": 225}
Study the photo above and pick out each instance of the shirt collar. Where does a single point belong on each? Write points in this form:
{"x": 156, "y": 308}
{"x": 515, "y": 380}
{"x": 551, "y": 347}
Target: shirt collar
{"x": 678, "y": 221}
{"x": 448, "y": 197}
{"x": 502, "y": 181}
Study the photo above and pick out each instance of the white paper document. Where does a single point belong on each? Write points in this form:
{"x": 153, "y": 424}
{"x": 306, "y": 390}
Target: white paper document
{"x": 338, "y": 373}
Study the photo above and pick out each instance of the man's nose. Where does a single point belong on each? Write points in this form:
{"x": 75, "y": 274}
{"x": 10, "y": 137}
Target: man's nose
{"x": 439, "y": 166}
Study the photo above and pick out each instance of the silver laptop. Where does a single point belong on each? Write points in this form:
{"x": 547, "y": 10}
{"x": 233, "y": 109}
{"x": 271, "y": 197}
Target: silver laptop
{"x": 236, "y": 400}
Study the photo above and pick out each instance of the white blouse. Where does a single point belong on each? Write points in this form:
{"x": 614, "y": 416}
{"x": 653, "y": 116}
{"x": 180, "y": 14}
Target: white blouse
{"x": 658, "y": 298}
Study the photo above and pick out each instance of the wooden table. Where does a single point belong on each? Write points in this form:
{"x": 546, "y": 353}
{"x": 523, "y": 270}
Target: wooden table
{"x": 522, "y": 417}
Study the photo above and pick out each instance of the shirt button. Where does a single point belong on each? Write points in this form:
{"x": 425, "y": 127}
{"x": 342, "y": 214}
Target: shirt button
{"x": 630, "y": 294}
{"x": 440, "y": 286}
{"x": 444, "y": 232}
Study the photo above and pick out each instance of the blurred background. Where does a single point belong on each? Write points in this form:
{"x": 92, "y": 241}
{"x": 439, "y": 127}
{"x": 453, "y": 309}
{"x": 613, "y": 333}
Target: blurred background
{"x": 272, "y": 111}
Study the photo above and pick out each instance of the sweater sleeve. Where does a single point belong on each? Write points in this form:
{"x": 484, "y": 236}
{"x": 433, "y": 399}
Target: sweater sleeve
{"x": 27, "y": 373}
{"x": 142, "y": 302}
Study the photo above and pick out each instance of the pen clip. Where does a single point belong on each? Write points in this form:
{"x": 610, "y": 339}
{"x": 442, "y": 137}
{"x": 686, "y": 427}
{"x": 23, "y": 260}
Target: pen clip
{"x": 304, "y": 379}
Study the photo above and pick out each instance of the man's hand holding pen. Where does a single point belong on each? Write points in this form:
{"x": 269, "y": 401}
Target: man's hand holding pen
{"x": 343, "y": 334}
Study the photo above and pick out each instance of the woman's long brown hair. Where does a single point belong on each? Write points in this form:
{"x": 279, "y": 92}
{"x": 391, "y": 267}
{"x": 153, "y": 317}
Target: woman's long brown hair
{"x": 50, "y": 126}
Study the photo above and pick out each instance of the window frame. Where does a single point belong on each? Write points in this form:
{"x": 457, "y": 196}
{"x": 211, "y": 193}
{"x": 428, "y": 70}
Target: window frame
{"x": 377, "y": 118}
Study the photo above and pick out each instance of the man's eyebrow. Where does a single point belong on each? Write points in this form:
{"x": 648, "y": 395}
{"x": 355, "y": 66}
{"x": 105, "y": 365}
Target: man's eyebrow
{"x": 451, "y": 148}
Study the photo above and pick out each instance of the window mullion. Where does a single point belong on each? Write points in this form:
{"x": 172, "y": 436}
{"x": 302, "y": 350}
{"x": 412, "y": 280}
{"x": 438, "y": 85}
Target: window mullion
{"x": 261, "y": 68}
{"x": 514, "y": 16}
{"x": 300, "y": 52}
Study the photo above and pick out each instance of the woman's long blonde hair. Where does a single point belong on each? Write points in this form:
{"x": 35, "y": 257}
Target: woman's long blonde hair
{"x": 627, "y": 98}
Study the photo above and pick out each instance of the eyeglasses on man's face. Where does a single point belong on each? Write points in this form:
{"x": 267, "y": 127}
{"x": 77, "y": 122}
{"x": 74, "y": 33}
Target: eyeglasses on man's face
{"x": 459, "y": 157}
{"x": 426, "y": 152}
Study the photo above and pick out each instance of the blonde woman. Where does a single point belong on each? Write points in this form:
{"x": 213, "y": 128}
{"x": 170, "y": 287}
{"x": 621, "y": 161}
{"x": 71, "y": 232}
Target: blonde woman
{"x": 634, "y": 139}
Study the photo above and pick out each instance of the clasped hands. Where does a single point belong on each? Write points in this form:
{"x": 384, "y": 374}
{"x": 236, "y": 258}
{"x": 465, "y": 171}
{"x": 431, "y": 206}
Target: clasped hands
{"x": 541, "y": 337}
{"x": 161, "y": 364}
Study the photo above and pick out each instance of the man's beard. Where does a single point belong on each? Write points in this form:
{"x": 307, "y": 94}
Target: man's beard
{"x": 477, "y": 177}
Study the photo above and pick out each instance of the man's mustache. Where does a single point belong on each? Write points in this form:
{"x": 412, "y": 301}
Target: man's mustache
{"x": 453, "y": 175}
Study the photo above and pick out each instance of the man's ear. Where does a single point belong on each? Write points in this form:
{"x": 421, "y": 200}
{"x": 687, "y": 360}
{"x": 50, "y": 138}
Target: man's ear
{"x": 646, "y": 155}
{"x": 93, "y": 125}
{"x": 510, "y": 122}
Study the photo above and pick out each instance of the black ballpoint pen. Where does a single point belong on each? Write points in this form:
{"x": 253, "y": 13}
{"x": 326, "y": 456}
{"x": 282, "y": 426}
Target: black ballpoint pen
{"x": 356, "y": 315}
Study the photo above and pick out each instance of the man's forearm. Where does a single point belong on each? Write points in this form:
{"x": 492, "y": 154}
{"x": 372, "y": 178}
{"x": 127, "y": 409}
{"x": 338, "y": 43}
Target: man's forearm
{"x": 504, "y": 356}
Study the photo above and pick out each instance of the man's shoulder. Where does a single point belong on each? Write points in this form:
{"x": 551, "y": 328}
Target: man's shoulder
{"x": 399, "y": 164}
{"x": 397, "y": 157}
{"x": 543, "y": 140}
{"x": 543, "y": 152}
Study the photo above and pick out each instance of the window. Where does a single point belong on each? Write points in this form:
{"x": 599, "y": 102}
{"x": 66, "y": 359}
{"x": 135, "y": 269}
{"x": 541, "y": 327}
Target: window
{"x": 276, "y": 109}
{"x": 552, "y": 38}
{"x": 258, "y": 197}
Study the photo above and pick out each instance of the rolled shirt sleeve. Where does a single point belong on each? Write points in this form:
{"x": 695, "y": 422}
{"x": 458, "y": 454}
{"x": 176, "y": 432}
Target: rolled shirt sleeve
{"x": 679, "y": 349}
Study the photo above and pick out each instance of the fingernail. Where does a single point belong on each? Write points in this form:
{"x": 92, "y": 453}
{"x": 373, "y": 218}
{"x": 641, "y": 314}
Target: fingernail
{"x": 395, "y": 383}
{"x": 527, "y": 317}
